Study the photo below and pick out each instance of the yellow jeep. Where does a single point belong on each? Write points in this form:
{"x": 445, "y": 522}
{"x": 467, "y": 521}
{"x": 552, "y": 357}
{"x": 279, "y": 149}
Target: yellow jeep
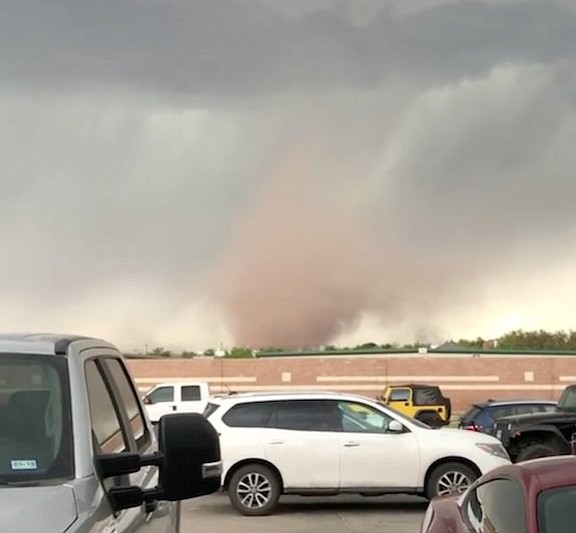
{"x": 423, "y": 402}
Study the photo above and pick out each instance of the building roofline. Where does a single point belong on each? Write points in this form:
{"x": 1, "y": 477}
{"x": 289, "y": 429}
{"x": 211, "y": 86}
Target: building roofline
{"x": 404, "y": 351}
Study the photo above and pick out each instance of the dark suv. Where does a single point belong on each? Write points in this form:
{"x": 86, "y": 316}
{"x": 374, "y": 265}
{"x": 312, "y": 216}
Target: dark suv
{"x": 541, "y": 434}
{"x": 482, "y": 416}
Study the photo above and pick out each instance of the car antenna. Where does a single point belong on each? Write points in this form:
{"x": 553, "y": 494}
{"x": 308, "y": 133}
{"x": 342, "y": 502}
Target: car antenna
{"x": 230, "y": 391}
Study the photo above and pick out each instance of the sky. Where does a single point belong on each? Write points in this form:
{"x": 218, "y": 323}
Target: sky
{"x": 192, "y": 174}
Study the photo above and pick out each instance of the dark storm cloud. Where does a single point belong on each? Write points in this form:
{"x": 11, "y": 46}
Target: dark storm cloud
{"x": 238, "y": 47}
{"x": 158, "y": 158}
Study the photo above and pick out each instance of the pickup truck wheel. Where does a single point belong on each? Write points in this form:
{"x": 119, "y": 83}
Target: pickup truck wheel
{"x": 449, "y": 478}
{"x": 533, "y": 451}
{"x": 254, "y": 490}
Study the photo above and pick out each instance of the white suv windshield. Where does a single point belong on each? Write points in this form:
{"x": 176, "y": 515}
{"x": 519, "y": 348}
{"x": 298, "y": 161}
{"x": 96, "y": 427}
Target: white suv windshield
{"x": 35, "y": 425}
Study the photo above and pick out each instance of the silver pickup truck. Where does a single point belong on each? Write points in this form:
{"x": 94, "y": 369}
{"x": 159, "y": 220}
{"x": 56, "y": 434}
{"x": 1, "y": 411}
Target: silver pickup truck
{"x": 77, "y": 451}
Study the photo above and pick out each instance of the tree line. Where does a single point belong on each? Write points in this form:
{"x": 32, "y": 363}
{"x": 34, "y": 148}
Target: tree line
{"x": 513, "y": 340}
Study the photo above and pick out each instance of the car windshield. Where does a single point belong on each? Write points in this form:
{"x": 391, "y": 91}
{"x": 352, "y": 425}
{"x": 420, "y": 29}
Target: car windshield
{"x": 567, "y": 400}
{"x": 35, "y": 424}
{"x": 557, "y": 510}
{"x": 469, "y": 415}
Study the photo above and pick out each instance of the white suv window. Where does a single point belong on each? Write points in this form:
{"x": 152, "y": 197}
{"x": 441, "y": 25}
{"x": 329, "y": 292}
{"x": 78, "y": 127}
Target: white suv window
{"x": 306, "y": 415}
{"x": 248, "y": 415}
{"x": 360, "y": 418}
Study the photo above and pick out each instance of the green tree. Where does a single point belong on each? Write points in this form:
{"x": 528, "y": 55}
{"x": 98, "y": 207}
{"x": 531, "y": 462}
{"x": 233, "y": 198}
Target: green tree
{"x": 477, "y": 343}
{"x": 366, "y": 346}
{"x": 161, "y": 352}
{"x": 538, "y": 340}
{"x": 239, "y": 353}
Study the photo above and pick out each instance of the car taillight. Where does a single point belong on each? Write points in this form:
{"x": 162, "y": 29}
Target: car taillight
{"x": 472, "y": 427}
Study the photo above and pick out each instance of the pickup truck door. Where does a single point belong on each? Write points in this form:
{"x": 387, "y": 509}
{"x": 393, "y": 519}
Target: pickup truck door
{"x": 118, "y": 424}
{"x": 162, "y": 400}
{"x": 193, "y": 398}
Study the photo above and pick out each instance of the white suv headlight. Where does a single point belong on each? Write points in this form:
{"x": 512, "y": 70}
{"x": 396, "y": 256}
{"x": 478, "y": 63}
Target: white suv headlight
{"x": 493, "y": 449}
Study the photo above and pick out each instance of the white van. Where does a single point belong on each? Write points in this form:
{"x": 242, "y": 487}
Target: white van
{"x": 176, "y": 397}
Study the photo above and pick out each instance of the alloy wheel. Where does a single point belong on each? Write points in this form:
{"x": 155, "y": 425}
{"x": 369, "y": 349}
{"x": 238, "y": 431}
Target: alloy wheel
{"x": 452, "y": 482}
{"x": 254, "y": 490}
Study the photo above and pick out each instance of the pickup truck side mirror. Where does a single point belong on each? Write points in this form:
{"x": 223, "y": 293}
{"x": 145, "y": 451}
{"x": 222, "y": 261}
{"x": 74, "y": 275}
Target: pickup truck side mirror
{"x": 191, "y": 449}
{"x": 188, "y": 461}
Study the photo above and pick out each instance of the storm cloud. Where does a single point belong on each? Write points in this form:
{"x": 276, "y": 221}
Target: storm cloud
{"x": 192, "y": 173}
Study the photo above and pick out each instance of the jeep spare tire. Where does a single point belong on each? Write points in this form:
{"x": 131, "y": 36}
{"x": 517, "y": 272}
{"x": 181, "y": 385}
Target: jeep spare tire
{"x": 431, "y": 418}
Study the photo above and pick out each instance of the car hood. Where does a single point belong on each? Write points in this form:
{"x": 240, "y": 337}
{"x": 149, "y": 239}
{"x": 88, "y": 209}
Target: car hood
{"x": 33, "y": 509}
{"x": 462, "y": 435}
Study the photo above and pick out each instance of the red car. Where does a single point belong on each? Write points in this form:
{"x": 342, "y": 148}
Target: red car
{"x": 536, "y": 496}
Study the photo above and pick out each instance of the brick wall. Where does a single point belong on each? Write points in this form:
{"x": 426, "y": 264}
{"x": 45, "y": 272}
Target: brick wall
{"x": 464, "y": 379}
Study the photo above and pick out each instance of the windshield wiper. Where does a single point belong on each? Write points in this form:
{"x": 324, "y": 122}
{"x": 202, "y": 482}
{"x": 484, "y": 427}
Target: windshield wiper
{"x": 30, "y": 483}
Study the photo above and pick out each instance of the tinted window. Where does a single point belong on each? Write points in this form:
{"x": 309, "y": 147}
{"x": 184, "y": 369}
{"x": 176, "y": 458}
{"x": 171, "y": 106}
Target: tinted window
{"x": 360, "y": 418}
{"x": 248, "y": 415}
{"x": 106, "y": 426}
{"x": 557, "y": 510}
{"x": 35, "y": 420}
{"x": 399, "y": 395}
{"x": 429, "y": 396}
{"x": 306, "y": 415}
{"x": 470, "y": 415}
{"x": 505, "y": 410}
{"x": 545, "y": 408}
{"x": 191, "y": 393}
{"x": 130, "y": 402}
{"x": 161, "y": 394}
{"x": 484, "y": 418}
{"x": 568, "y": 398}
{"x": 496, "y": 506}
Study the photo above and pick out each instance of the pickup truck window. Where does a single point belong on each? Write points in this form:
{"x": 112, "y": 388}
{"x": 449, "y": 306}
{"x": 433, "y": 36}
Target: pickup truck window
{"x": 191, "y": 393}
{"x": 161, "y": 394}
{"x": 35, "y": 422}
{"x": 130, "y": 402}
{"x": 105, "y": 421}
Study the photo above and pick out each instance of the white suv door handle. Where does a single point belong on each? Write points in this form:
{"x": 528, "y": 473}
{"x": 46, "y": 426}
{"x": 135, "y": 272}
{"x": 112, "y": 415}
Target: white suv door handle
{"x": 351, "y": 444}
{"x": 275, "y": 442}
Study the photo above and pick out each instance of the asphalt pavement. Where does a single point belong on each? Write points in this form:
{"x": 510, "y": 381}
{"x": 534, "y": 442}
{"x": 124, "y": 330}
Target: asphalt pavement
{"x": 295, "y": 514}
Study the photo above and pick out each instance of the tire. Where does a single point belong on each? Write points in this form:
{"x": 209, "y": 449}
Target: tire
{"x": 449, "y": 478}
{"x": 431, "y": 418}
{"x": 536, "y": 450}
{"x": 254, "y": 490}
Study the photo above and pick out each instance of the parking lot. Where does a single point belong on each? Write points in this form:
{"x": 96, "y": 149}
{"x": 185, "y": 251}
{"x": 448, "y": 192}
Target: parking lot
{"x": 338, "y": 514}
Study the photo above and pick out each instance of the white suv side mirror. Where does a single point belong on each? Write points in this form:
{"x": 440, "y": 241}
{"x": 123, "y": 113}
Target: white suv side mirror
{"x": 395, "y": 427}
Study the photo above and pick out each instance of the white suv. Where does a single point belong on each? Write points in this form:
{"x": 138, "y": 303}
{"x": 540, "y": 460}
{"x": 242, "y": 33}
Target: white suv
{"x": 326, "y": 443}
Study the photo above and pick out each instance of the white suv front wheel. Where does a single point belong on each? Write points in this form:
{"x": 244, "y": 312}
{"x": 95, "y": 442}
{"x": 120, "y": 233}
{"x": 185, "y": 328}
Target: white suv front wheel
{"x": 254, "y": 490}
{"x": 449, "y": 478}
